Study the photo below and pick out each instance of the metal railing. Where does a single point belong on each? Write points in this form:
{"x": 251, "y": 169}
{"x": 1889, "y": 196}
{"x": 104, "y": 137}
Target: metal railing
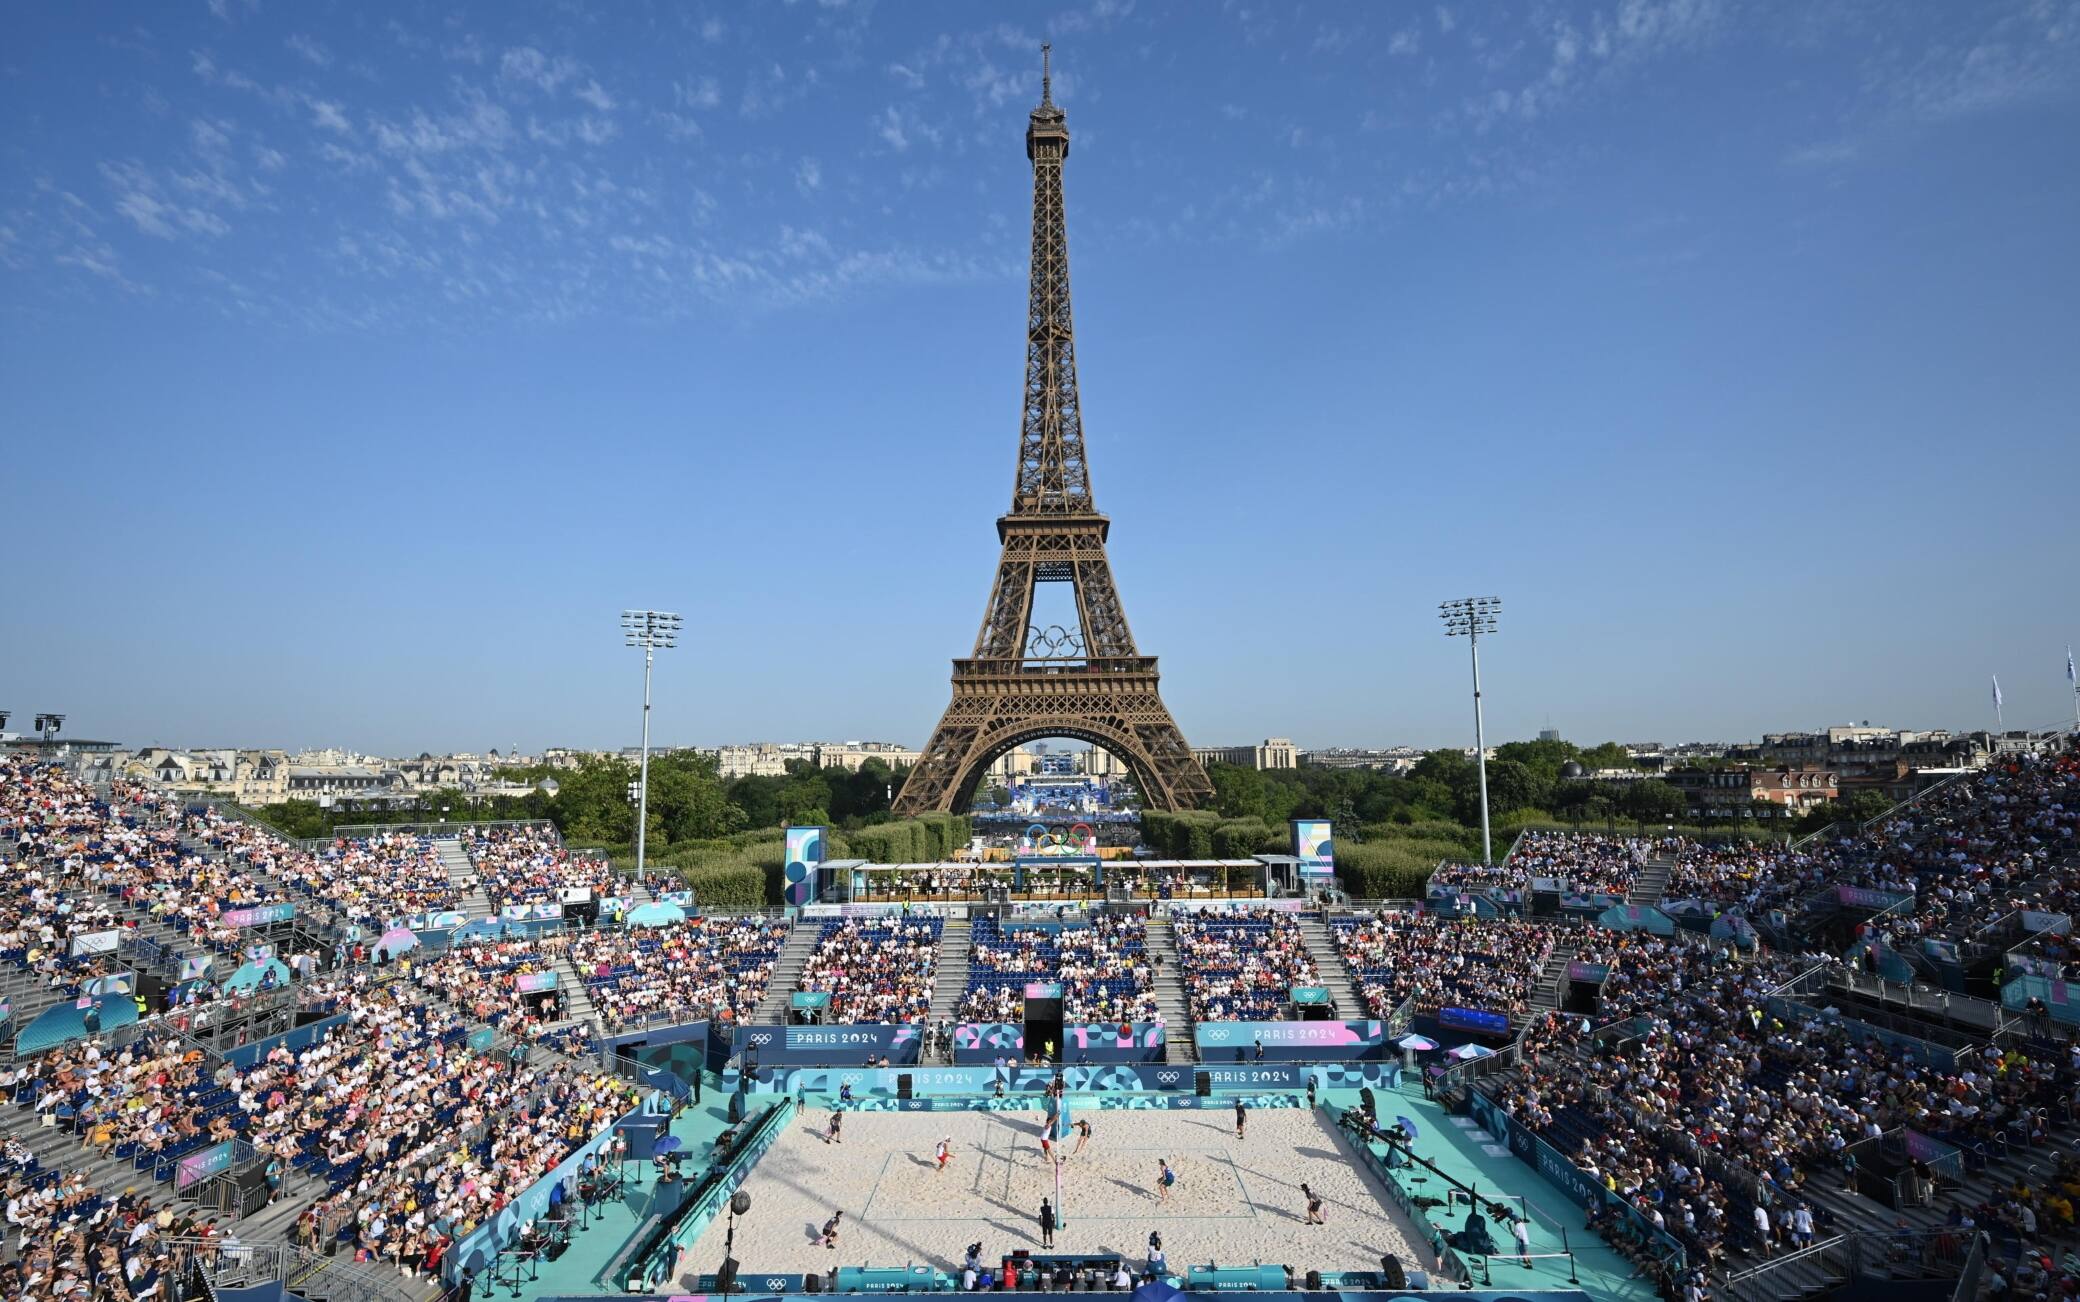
{"x": 1837, "y": 1254}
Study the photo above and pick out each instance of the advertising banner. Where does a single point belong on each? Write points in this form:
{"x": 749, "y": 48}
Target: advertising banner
{"x": 1112, "y": 1085}
{"x": 532, "y": 912}
{"x": 1944, "y": 1159}
{"x": 1596, "y": 973}
{"x": 1637, "y": 917}
{"x": 119, "y": 983}
{"x": 986, "y": 1042}
{"x": 528, "y": 983}
{"x": 2035, "y": 920}
{"x": 96, "y": 942}
{"x": 1478, "y": 1020}
{"x": 1310, "y": 994}
{"x": 1292, "y": 1041}
{"x": 259, "y": 915}
{"x": 803, "y": 852}
{"x": 1043, "y": 990}
{"x": 2061, "y": 998}
{"x": 684, "y": 899}
{"x": 828, "y": 1046}
{"x": 203, "y": 1163}
{"x": 1864, "y": 897}
{"x": 1313, "y": 847}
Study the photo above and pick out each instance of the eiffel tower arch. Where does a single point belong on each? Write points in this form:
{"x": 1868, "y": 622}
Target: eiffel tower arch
{"x": 1025, "y": 682}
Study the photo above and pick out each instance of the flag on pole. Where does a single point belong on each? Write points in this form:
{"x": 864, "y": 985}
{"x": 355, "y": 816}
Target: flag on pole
{"x": 2071, "y": 676}
{"x": 1997, "y": 699}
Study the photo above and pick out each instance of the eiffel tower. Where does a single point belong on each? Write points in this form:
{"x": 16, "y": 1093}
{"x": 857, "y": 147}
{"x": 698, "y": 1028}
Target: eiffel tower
{"x": 1024, "y": 682}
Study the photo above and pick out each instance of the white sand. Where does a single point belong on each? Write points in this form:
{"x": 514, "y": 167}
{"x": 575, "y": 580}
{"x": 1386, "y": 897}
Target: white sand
{"x": 1234, "y": 1202}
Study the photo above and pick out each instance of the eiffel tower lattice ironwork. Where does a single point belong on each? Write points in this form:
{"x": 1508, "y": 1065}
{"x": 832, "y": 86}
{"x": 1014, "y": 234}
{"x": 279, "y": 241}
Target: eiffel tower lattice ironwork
{"x": 1089, "y": 683}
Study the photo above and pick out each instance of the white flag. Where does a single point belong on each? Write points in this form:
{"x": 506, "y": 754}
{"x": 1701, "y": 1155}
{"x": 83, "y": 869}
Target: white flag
{"x": 1996, "y": 693}
{"x": 2071, "y": 676}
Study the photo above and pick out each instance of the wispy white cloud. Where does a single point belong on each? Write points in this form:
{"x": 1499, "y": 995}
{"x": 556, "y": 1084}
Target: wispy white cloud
{"x": 526, "y": 66}
{"x": 592, "y": 93}
{"x": 331, "y": 117}
{"x": 310, "y": 50}
{"x": 808, "y": 176}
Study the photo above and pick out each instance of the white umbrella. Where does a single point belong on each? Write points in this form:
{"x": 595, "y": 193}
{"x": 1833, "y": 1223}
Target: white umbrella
{"x": 1416, "y": 1043}
{"x": 1465, "y": 1051}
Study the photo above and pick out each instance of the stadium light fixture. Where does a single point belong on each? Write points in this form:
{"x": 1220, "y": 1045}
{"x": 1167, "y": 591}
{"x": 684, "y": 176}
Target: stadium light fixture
{"x": 1469, "y": 617}
{"x": 652, "y": 630}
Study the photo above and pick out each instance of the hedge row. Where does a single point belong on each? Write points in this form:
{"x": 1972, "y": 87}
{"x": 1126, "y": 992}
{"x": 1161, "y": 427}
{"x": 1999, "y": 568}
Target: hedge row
{"x": 927, "y": 838}
{"x": 1390, "y": 869}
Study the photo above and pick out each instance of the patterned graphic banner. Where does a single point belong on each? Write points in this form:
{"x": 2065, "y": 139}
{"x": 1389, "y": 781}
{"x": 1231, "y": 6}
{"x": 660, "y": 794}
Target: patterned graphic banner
{"x": 1864, "y": 897}
{"x": 203, "y": 1163}
{"x": 259, "y": 915}
{"x": 830, "y": 1046}
{"x": 1292, "y": 1041}
{"x": 970, "y": 1087}
{"x": 986, "y": 1042}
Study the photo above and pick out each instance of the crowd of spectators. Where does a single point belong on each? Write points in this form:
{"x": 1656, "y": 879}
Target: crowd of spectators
{"x": 1240, "y": 965}
{"x": 1716, "y": 1101}
{"x": 1488, "y": 964}
{"x": 702, "y": 967}
{"x": 1586, "y": 863}
{"x": 1103, "y": 966}
{"x": 70, "y": 1241}
{"x": 875, "y": 970}
{"x": 528, "y": 865}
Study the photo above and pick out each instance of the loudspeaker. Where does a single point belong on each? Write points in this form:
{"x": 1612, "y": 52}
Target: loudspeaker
{"x": 1390, "y": 1273}
{"x": 1314, "y": 1280}
{"x": 1365, "y": 1097}
{"x": 1202, "y": 1083}
{"x": 903, "y": 1085}
{"x": 812, "y": 1283}
{"x": 726, "y": 1276}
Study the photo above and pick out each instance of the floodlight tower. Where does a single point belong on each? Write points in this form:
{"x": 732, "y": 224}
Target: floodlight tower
{"x": 1469, "y": 617}
{"x": 651, "y": 630}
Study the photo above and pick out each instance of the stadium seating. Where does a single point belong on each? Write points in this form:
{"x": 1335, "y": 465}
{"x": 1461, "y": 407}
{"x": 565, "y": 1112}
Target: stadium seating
{"x": 1102, "y": 966}
{"x": 1240, "y": 965}
{"x": 875, "y": 971}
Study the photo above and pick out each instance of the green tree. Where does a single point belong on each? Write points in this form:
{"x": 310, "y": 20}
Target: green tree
{"x": 1610, "y": 755}
{"x": 1542, "y": 757}
{"x": 1238, "y": 792}
{"x": 1653, "y": 801}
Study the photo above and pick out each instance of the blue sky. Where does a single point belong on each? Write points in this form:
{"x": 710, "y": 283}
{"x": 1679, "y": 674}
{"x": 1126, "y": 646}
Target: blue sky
{"x": 359, "y": 364}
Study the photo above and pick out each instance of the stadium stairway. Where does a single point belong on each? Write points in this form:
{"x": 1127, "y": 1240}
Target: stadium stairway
{"x": 787, "y": 972}
{"x": 1650, "y": 884}
{"x": 1328, "y": 960}
{"x": 577, "y": 1000}
{"x": 950, "y": 979}
{"x": 1182, "y": 1044}
{"x": 469, "y": 886}
{"x": 1552, "y": 982}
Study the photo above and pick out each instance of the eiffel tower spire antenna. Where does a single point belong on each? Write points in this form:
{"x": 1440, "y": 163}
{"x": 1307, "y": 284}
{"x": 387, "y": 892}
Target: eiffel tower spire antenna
{"x": 1023, "y": 682}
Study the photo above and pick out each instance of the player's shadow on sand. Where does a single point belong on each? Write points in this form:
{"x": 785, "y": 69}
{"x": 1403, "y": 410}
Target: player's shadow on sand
{"x": 925, "y": 1162}
{"x": 1326, "y": 1154}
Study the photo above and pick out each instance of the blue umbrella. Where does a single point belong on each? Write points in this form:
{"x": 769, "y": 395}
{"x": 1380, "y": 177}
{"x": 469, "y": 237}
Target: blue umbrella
{"x": 666, "y": 1144}
{"x": 1407, "y": 1125}
{"x": 1160, "y": 1290}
